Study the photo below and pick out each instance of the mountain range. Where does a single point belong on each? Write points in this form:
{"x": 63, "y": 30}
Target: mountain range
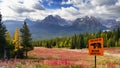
{"x": 55, "y": 26}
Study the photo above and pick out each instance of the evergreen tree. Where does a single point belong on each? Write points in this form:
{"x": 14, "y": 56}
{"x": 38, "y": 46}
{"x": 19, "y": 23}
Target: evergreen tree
{"x": 111, "y": 42}
{"x": 74, "y": 41}
{"x": 119, "y": 43}
{"x": 111, "y": 39}
{"x": 116, "y": 35}
{"x": 82, "y": 43}
{"x": 26, "y": 38}
{"x": 3, "y": 45}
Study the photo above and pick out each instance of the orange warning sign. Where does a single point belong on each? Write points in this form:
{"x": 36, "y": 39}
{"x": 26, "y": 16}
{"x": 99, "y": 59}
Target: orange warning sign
{"x": 96, "y": 47}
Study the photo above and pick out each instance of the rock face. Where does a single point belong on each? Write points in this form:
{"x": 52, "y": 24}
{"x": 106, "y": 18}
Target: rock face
{"x": 55, "y": 26}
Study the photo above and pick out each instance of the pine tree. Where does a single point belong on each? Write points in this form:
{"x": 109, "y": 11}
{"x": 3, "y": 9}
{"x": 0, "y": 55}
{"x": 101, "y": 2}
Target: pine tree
{"x": 119, "y": 43}
{"x": 111, "y": 42}
{"x": 74, "y": 41}
{"x": 82, "y": 43}
{"x": 26, "y": 38}
{"x": 116, "y": 35}
{"x": 3, "y": 45}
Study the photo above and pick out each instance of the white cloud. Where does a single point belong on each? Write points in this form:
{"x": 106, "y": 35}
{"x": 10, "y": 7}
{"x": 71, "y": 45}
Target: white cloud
{"x": 68, "y": 2}
{"x": 103, "y": 2}
{"x": 98, "y": 8}
{"x": 118, "y": 3}
{"x": 69, "y": 13}
{"x": 118, "y": 19}
{"x": 20, "y": 9}
{"x": 75, "y": 2}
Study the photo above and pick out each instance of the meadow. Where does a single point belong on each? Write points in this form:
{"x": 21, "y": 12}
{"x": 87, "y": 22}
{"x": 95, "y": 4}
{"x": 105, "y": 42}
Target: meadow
{"x": 42, "y": 57}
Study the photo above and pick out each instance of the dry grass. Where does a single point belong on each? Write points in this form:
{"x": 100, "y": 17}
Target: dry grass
{"x": 80, "y": 56}
{"x": 65, "y": 58}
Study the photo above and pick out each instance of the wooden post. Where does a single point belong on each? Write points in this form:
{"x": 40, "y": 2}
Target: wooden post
{"x": 95, "y": 61}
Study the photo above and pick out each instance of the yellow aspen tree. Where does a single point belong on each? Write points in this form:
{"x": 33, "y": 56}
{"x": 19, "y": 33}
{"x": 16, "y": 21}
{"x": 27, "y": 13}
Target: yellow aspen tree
{"x": 16, "y": 39}
{"x": 8, "y": 38}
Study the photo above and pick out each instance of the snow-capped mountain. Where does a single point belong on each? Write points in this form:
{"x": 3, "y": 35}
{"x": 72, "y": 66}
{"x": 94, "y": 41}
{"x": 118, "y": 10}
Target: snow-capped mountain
{"x": 55, "y": 26}
{"x": 54, "y": 20}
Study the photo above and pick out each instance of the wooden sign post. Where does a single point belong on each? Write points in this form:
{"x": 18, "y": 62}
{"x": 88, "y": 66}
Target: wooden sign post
{"x": 96, "y": 47}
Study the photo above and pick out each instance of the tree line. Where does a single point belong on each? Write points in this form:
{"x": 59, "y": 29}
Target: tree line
{"x": 111, "y": 39}
{"x": 16, "y": 47}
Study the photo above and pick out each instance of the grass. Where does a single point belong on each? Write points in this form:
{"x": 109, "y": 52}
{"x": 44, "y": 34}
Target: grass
{"x": 63, "y": 58}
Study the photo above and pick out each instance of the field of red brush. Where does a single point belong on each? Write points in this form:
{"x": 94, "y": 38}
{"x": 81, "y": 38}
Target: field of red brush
{"x": 42, "y": 57}
{"x": 62, "y": 56}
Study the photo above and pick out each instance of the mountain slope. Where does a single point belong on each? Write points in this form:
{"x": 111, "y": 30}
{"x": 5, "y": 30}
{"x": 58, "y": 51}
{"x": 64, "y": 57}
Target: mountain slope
{"x": 55, "y": 26}
{"x": 88, "y": 24}
{"x": 51, "y": 27}
{"x": 54, "y": 20}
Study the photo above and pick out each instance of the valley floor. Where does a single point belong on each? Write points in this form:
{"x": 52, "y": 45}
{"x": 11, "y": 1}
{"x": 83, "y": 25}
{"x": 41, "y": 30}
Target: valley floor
{"x": 42, "y": 57}
{"x": 80, "y": 57}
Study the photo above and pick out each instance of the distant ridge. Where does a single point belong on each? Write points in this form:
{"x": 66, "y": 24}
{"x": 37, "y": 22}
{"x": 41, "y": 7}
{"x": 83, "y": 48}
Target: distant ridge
{"x": 56, "y": 26}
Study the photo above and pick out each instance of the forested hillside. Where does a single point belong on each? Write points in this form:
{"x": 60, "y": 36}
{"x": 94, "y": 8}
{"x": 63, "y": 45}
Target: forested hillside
{"x": 111, "y": 39}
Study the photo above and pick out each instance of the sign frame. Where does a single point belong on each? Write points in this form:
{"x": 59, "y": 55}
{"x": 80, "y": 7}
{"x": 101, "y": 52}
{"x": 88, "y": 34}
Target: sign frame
{"x": 96, "y": 47}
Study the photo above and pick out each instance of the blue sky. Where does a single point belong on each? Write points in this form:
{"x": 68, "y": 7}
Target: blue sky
{"x": 68, "y": 9}
{"x": 55, "y": 4}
